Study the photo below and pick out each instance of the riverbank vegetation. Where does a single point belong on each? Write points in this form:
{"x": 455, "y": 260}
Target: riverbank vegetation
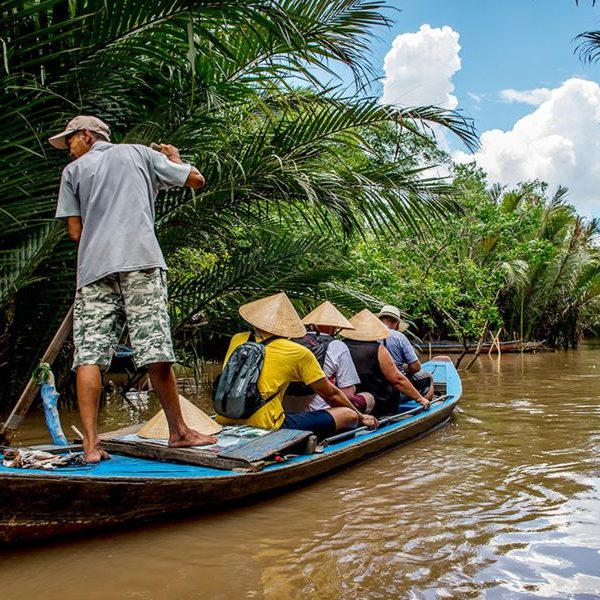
{"x": 519, "y": 260}
{"x": 314, "y": 187}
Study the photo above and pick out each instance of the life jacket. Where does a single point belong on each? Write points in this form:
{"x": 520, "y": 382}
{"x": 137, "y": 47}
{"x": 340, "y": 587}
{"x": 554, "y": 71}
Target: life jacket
{"x": 235, "y": 392}
{"x": 317, "y": 343}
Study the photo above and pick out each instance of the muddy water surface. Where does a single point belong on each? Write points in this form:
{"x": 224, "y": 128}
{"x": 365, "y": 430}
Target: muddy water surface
{"x": 501, "y": 503}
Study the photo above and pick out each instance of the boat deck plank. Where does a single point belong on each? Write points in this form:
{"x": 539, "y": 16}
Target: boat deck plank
{"x": 266, "y": 446}
{"x": 190, "y": 456}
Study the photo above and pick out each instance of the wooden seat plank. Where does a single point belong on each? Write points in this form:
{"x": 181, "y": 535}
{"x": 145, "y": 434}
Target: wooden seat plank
{"x": 265, "y": 446}
{"x": 188, "y": 456}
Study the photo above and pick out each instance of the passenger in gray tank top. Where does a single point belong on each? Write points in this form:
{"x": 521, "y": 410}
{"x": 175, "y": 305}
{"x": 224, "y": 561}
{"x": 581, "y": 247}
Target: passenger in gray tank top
{"x": 106, "y": 197}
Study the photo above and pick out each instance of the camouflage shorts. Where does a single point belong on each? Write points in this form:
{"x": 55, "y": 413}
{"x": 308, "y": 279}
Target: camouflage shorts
{"x": 137, "y": 299}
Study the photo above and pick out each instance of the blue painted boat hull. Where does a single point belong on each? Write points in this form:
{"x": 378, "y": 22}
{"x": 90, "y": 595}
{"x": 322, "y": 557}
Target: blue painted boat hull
{"x": 40, "y": 504}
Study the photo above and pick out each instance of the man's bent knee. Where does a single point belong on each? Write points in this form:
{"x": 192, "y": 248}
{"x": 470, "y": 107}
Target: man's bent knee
{"x": 345, "y": 418}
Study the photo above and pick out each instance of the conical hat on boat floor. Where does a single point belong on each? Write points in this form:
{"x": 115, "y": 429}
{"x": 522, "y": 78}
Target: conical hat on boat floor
{"x": 367, "y": 328}
{"x": 158, "y": 429}
{"x": 274, "y": 314}
{"x": 327, "y": 314}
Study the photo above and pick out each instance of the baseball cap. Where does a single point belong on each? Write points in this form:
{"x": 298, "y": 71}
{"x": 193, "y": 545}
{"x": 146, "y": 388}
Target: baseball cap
{"x": 393, "y": 313}
{"x": 81, "y": 122}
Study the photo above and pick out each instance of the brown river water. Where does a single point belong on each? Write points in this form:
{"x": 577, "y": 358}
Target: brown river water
{"x": 501, "y": 503}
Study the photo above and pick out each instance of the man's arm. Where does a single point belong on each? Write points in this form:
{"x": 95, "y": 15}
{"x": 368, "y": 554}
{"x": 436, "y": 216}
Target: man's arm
{"x": 348, "y": 391}
{"x": 334, "y": 397}
{"x": 399, "y": 381}
{"x": 67, "y": 207}
{"x": 74, "y": 228}
{"x": 413, "y": 367}
{"x": 403, "y": 354}
{"x": 195, "y": 178}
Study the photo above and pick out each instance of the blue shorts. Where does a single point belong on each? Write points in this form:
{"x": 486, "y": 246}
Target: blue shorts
{"x": 320, "y": 422}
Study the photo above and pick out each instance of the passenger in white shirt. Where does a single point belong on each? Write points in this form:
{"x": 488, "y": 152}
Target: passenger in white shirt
{"x": 326, "y": 320}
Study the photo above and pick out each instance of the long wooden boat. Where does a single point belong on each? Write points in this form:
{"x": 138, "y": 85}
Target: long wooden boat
{"x": 131, "y": 487}
{"x": 450, "y": 347}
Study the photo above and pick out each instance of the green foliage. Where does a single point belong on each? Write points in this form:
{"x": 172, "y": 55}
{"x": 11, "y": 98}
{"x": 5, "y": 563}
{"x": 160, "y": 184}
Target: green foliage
{"x": 213, "y": 77}
{"x": 513, "y": 259}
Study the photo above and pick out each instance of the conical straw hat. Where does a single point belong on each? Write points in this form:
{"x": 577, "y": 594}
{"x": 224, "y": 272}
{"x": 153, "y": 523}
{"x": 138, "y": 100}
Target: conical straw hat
{"x": 157, "y": 428}
{"x": 327, "y": 314}
{"x": 367, "y": 328}
{"x": 274, "y": 314}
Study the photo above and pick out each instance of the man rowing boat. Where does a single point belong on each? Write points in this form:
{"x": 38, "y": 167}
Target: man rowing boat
{"x": 107, "y": 198}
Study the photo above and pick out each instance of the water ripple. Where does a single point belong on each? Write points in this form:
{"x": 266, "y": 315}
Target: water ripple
{"x": 500, "y": 504}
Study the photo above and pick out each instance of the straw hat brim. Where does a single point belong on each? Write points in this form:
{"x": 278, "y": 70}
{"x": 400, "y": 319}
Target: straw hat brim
{"x": 328, "y": 315}
{"x": 367, "y": 328}
{"x": 275, "y": 315}
{"x": 393, "y": 313}
{"x": 158, "y": 429}
{"x": 402, "y": 325}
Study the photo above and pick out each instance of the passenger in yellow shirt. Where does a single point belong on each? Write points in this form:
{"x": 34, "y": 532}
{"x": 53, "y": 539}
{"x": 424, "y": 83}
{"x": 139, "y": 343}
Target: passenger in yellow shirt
{"x": 286, "y": 361}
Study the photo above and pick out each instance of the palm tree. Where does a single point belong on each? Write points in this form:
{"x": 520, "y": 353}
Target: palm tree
{"x": 234, "y": 85}
{"x": 560, "y": 280}
{"x": 589, "y": 43}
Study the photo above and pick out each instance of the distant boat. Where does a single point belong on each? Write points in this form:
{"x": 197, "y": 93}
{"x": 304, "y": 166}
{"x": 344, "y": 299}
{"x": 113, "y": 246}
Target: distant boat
{"x": 451, "y": 347}
{"x": 147, "y": 481}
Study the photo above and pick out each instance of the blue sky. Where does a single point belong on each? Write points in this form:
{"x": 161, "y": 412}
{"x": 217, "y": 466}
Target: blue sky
{"x": 511, "y": 66}
{"x": 519, "y": 44}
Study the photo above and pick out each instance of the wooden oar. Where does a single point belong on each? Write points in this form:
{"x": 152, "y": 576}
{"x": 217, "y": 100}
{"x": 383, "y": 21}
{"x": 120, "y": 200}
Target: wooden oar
{"x": 407, "y": 413}
{"x": 22, "y": 406}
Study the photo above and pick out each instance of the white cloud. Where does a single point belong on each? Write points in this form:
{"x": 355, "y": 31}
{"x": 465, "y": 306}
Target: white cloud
{"x": 419, "y": 68}
{"x": 534, "y": 97}
{"x": 559, "y": 142}
{"x": 477, "y": 98}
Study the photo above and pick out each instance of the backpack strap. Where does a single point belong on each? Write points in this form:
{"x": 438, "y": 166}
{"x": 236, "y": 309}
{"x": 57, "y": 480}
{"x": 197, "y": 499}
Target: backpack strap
{"x": 266, "y": 342}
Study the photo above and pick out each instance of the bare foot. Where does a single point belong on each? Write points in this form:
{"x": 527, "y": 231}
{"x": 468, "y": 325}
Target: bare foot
{"x": 94, "y": 453}
{"x": 191, "y": 438}
{"x": 104, "y": 455}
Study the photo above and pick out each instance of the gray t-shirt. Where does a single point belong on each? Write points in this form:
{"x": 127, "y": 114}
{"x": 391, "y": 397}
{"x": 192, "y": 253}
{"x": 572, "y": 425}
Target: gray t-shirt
{"x": 113, "y": 188}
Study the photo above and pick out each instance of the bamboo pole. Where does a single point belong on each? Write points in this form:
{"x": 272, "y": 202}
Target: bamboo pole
{"x": 16, "y": 417}
{"x": 479, "y": 346}
{"x": 495, "y": 343}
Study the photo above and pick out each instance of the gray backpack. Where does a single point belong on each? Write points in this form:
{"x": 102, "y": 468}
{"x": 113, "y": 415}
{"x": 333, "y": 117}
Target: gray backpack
{"x": 235, "y": 392}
